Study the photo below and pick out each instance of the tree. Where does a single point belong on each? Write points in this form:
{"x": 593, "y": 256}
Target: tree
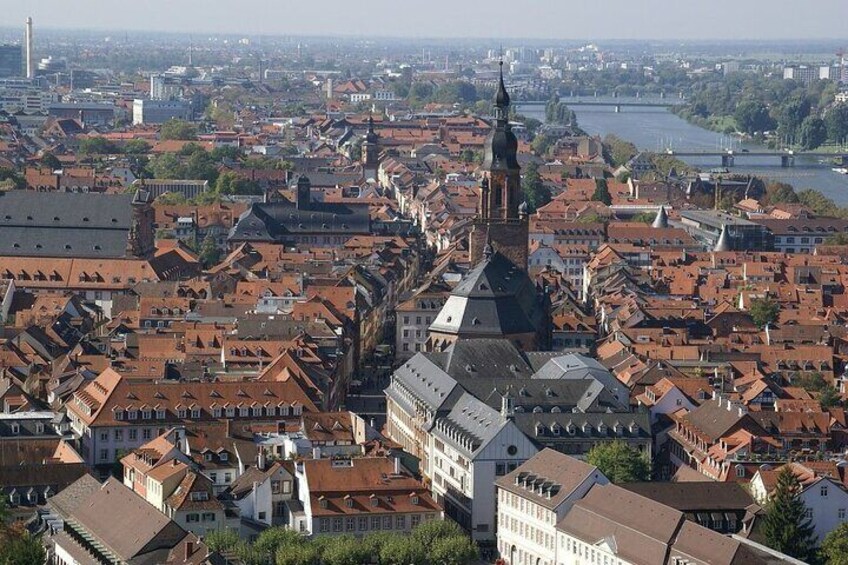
{"x": 454, "y": 550}
{"x": 602, "y": 192}
{"x": 178, "y": 129}
{"x": 222, "y": 540}
{"x": 791, "y": 115}
{"x": 834, "y": 548}
{"x": 136, "y": 147}
{"x": 273, "y": 539}
{"x": 812, "y": 133}
{"x": 21, "y": 548}
{"x": 230, "y": 183}
{"x": 536, "y": 193}
{"x": 786, "y": 527}
{"x": 644, "y": 217}
{"x": 836, "y": 122}
{"x": 344, "y": 550}
{"x": 764, "y": 311}
{"x": 96, "y": 146}
{"x": 752, "y": 116}
{"x": 50, "y": 161}
{"x": 428, "y": 533}
{"x": 618, "y": 151}
{"x": 619, "y": 462}
{"x": 402, "y": 551}
{"x": 302, "y": 554}
{"x": 829, "y": 397}
{"x": 780, "y": 192}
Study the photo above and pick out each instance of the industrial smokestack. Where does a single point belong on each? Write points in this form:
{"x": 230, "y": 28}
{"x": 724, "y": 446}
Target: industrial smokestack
{"x": 30, "y": 61}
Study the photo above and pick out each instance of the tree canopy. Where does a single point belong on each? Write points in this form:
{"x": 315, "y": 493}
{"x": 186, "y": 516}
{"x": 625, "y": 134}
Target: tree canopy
{"x": 786, "y": 527}
{"x": 601, "y": 193}
{"x": 834, "y": 547}
{"x": 536, "y": 192}
{"x": 178, "y": 129}
{"x": 434, "y": 542}
{"x": 619, "y": 462}
{"x": 764, "y": 311}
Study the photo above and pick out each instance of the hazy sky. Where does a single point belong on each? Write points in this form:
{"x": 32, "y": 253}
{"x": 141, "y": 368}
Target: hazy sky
{"x": 552, "y": 19}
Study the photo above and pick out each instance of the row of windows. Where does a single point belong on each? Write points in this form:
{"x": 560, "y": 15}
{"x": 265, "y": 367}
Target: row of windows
{"x": 217, "y": 412}
{"x": 132, "y": 433}
{"x": 417, "y": 320}
{"x": 361, "y": 524}
{"x": 200, "y": 517}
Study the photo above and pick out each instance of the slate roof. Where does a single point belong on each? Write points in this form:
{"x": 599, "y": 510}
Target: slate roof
{"x": 64, "y": 224}
{"x": 695, "y": 496}
{"x": 555, "y": 472}
{"x": 494, "y": 299}
{"x": 275, "y": 221}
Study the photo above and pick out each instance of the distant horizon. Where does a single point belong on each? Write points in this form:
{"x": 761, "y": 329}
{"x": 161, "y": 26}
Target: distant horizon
{"x": 536, "y": 20}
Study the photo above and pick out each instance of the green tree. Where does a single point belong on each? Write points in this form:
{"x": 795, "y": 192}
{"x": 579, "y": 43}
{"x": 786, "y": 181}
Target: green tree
{"x": 50, "y": 161}
{"x": 344, "y": 550}
{"x": 96, "y": 146}
{"x": 619, "y": 462}
{"x": 764, "y": 311}
{"x": 467, "y": 156}
{"x": 785, "y": 527}
{"x": 178, "y": 129}
{"x": 542, "y": 143}
{"x": 536, "y": 192}
{"x": 402, "y": 551}
{"x": 301, "y": 554}
{"x": 753, "y": 116}
{"x": 791, "y": 115}
{"x": 618, "y": 151}
{"x": 829, "y": 397}
{"x": 428, "y": 533}
{"x": 812, "y": 133}
{"x": 779, "y": 192}
{"x": 10, "y": 179}
{"x": 270, "y": 540}
{"x": 22, "y": 549}
{"x": 454, "y": 550}
{"x": 601, "y": 193}
{"x": 222, "y": 540}
{"x": 836, "y": 122}
{"x": 644, "y": 217}
{"x": 167, "y": 166}
{"x": 136, "y": 147}
{"x": 230, "y": 183}
{"x": 834, "y": 547}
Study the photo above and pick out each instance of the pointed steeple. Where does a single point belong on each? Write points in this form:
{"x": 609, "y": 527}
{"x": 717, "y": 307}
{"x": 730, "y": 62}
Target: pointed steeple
{"x": 723, "y": 243}
{"x": 661, "y": 221}
{"x": 501, "y": 97}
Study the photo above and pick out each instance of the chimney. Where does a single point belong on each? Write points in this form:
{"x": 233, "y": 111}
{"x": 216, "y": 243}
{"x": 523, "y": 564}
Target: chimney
{"x": 396, "y": 459}
{"x": 30, "y": 61}
{"x": 260, "y": 459}
{"x": 189, "y": 550}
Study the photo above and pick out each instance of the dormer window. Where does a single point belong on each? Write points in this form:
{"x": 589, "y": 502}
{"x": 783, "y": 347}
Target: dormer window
{"x": 414, "y": 500}
{"x": 322, "y": 502}
{"x": 348, "y": 501}
{"x": 224, "y": 456}
{"x": 199, "y": 496}
{"x": 374, "y": 501}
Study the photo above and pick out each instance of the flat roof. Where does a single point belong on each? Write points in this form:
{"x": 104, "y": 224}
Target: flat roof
{"x": 715, "y": 218}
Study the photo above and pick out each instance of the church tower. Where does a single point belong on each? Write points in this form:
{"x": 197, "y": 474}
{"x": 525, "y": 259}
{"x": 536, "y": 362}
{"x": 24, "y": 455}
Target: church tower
{"x": 371, "y": 150}
{"x": 502, "y": 216}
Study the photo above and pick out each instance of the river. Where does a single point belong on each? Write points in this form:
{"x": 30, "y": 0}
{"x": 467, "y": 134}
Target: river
{"x": 655, "y": 129}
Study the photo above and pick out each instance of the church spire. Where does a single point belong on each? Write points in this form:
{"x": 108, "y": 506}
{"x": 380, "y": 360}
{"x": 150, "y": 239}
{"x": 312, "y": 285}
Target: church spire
{"x": 501, "y": 97}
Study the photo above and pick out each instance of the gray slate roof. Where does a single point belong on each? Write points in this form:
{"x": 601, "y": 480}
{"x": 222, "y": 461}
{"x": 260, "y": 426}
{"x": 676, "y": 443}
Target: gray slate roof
{"x": 64, "y": 224}
{"x": 495, "y": 298}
